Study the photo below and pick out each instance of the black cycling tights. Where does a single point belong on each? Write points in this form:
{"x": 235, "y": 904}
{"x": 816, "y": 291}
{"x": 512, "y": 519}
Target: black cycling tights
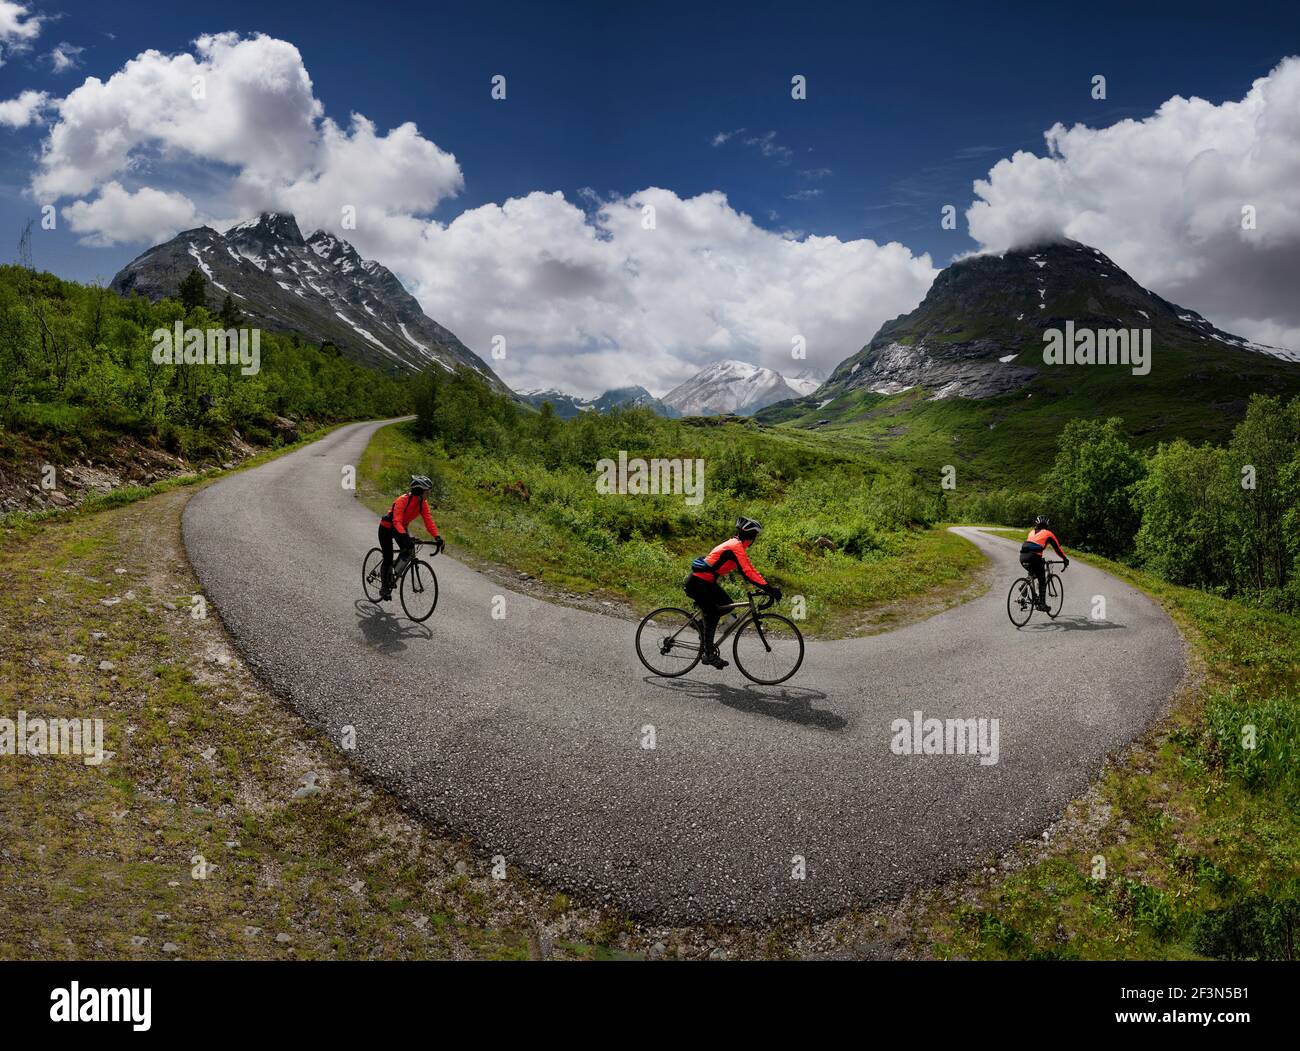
{"x": 386, "y": 538}
{"x": 1037, "y": 568}
{"x": 710, "y": 596}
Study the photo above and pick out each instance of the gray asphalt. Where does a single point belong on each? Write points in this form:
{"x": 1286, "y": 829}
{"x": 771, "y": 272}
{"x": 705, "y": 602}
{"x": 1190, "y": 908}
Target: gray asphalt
{"x": 525, "y": 732}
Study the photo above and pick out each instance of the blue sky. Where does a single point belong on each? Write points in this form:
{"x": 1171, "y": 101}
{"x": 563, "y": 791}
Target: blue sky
{"x": 908, "y": 104}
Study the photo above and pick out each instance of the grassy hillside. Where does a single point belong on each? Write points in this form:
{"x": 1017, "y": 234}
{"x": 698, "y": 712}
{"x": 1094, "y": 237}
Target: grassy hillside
{"x": 77, "y": 380}
{"x": 1008, "y": 440}
{"x": 856, "y": 539}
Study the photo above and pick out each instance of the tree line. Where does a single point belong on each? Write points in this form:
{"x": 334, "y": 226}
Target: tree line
{"x": 76, "y": 364}
{"x": 1225, "y": 518}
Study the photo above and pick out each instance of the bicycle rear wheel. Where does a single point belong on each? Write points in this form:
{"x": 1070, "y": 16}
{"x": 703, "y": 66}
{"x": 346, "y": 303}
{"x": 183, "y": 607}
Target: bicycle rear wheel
{"x": 419, "y": 590}
{"x": 372, "y": 570}
{"x": 668, "y": 642}
{"x": 1020, "y": 601}
{"x": 1055, "y": 596}
{"x": 768, "y": 649}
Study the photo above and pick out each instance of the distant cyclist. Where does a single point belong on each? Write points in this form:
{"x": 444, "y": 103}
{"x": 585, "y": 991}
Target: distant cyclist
{"x": 702, "y": 585}
{"x": 392, "y": 527}
{"x": 1031, "y": 556}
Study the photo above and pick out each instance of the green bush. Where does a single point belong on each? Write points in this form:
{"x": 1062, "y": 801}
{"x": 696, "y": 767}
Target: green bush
{"x": 1186, "y": 508}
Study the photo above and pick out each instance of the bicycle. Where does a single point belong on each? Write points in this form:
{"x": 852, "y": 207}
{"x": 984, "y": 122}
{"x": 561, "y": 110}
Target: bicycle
{"x": 1021, "y": 598}
{"x": 414, "y": 579}
{"x": 767, "y": 649}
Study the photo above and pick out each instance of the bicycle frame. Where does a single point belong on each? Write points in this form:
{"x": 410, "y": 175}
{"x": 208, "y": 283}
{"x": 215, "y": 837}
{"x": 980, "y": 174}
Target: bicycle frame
{"x": 402, "y": 561}
{"x": 1047, "y": 578}
{"x": 736, "y": 624}
{"x": 751, "y": 614}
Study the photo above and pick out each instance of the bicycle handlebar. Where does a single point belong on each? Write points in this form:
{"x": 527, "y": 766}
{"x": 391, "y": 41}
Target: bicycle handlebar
{"x": 424, "y": 543}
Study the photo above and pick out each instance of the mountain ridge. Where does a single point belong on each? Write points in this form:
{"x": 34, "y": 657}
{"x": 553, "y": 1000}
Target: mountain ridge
{"x": 733, "y": 387}
{"x": 962, "y": 380}
{"x": 970, "y": 334}
{"x": 317, "y": 286}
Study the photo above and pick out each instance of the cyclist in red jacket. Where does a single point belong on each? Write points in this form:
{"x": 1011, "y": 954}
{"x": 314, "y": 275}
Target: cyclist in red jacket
{"x": 392, "y": 528}
{"x": 1031, "y": 555}
{"x": 702, "y": 585}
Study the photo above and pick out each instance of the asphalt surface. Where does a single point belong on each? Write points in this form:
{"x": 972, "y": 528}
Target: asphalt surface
{"x": 526, "y": 732}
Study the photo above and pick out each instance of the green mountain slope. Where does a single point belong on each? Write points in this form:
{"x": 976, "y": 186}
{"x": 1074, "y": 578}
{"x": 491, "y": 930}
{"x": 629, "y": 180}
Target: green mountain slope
{"x": 962, "y": 380}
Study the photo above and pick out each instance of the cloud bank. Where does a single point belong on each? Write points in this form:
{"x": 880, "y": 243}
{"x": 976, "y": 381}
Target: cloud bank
{"x": 1164, "y": 198}
{"x": 586, "y": 294}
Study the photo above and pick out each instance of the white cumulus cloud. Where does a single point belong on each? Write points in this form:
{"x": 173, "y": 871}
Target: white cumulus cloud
{"x": 118, "y": 216}
{"x": 18, "y": 28}
{"x": 23, "y": 110}
{"x": 1164, "y": 197}
{"x": 590, "y": 302}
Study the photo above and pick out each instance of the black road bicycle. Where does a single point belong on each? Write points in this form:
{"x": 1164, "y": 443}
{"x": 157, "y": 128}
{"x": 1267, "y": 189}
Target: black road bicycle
{"x": 1022, "y": 598}
{"x": 413, "y": 578}
{"x": 767, "y": 649}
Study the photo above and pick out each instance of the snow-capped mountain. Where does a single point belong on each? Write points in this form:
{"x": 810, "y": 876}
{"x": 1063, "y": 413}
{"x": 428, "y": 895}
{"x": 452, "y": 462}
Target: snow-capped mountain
{"x": 805, "y": 381}
{"x": 734, "y": 387}
{"x": 567, "y": 406}
{"x": 318, "y": 287}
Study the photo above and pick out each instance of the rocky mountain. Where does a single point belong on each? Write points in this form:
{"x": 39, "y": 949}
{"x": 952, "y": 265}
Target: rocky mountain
{"x": 733, "y": 387}
{"x": 318, "y": 287}
{"x": 979, "y": 331}
{"x": 567, "y": 406}
{"x": 963, "y": 380}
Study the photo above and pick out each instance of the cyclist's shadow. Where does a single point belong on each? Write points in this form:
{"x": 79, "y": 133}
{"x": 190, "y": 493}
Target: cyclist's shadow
{"x": 1074, "y": 623}
{"x": 792, "y": 704}
{"x": 385, "y": 632}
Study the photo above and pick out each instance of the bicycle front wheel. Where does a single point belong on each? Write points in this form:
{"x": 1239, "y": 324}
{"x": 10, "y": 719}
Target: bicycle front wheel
{"x": 372, "y": 573}
{"x": 1020, "y": 602}
{"x": 1055, "y": 596}
{"x": 668, "y": 642}
{"x": 768, "y": 649}
{"x": 419, "y": 590}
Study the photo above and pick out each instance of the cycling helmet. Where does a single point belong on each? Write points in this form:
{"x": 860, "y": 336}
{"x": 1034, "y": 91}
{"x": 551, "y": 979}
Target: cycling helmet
{"x": 1042, "y": 522}
{"x": 747, "y": 528}
{"x": 420, "y": 483}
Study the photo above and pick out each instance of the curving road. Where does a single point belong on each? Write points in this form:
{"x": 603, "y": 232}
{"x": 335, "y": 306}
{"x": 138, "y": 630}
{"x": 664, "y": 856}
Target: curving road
{"x": 526, "y": 732}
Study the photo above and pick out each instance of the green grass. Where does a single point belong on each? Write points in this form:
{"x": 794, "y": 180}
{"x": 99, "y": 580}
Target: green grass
{"x": 637, "y": 549}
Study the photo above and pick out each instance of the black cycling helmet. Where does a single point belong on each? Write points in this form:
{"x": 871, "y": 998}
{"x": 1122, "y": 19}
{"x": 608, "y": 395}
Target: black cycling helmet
{"x": 1042, "y": 522}
{"x": 420, "y": 483}
{"x": 747, "y": 528}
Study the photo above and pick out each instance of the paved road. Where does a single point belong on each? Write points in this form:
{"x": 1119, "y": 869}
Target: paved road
{"x": 525, "y": 732}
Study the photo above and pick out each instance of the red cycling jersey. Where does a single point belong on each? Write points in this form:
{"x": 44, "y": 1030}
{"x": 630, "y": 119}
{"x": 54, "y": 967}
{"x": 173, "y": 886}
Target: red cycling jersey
{"x": 1044, "y": 537}
{"x": 404, "y": 511}
{"x": 730, "y": 555}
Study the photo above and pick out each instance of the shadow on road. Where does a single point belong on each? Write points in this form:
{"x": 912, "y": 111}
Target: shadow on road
{"x": 1072, "y": 624}
{"x": 792, "y": 704}
{"x": 385, "y": 632}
